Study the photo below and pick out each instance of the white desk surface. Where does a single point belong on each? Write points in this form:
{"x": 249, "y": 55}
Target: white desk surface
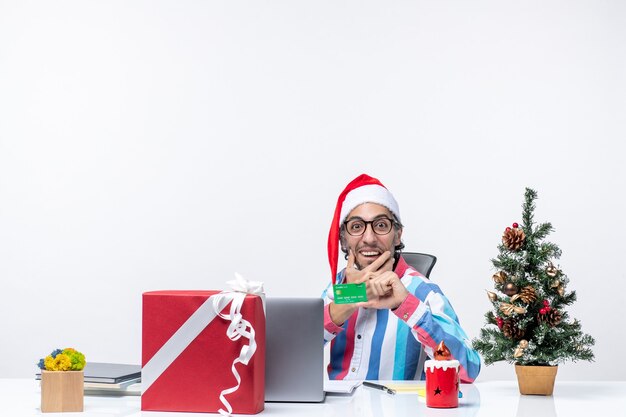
{"x": 21, "y": 397}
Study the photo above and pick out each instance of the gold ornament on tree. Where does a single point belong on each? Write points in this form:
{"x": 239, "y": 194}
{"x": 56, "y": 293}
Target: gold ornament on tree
{"x": 509, "y": 309}
{"x": 500, "y": 277}
{"x": 521, "y": 346}
{"x": 513, "y": 238}
{"x": 552, "y": 270}
{"x": 510, "y": 289}
{"x": 560, "y": 289}
{"x": 492, "y": 296}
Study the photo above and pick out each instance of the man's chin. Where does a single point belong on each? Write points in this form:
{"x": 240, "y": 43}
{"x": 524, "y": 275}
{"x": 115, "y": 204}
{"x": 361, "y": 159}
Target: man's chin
{"x": 365, "y": 261}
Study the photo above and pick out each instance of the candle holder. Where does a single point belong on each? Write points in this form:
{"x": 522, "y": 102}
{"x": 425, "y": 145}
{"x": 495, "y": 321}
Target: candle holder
{"x": 442, "y": 383}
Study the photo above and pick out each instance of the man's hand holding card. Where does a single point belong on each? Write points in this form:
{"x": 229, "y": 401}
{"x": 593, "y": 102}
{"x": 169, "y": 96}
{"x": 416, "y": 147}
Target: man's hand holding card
{"x": 375, "y": 286}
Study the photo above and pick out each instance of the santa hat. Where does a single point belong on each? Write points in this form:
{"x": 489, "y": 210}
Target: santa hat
{"x": 362, "y": 189}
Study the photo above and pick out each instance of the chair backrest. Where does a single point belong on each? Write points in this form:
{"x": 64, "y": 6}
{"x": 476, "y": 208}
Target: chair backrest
{"x": 422, "y": 262}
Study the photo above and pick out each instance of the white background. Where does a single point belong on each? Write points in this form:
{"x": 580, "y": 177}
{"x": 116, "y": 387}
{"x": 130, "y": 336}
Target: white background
{"x": 152, "y": 145}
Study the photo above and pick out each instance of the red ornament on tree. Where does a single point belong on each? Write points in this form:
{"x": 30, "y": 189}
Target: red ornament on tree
{"x": 508, "y": 228}
{"x": 515, "y": 225}
{"x": 543, "y": 310}
{"x": 499, "y": 322}
{"x": 546, "y": 303}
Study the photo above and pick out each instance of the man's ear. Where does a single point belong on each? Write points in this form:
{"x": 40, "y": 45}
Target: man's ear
{"x": 398, "y": 238}
{"x": 344, "y": 246}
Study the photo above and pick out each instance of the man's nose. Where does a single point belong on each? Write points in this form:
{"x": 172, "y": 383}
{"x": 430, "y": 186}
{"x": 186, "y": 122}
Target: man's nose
{"x": 369, "y": 235}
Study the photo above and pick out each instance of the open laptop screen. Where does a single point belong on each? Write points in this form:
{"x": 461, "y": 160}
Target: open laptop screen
{"x": 294, "y": 364}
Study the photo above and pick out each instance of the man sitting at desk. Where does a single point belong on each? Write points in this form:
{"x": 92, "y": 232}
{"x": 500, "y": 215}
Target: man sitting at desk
{"x": 406, "y": 316}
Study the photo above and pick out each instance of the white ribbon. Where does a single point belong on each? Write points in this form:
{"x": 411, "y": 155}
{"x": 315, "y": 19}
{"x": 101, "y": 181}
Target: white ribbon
{"x": 240, "y": 284}
{"x": 212, "y": 307}
{"x": 239, "y": 327}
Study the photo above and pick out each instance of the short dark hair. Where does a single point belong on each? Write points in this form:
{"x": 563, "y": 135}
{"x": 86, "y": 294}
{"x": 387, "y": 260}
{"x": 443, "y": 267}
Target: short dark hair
{"x": 396, "y": 226}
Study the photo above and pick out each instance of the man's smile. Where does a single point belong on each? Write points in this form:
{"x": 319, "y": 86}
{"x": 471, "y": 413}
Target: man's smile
{"x": 370, "y": 253}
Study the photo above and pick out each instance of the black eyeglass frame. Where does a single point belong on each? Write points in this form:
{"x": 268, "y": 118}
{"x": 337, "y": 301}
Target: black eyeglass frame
{"x": 370, "y": 223}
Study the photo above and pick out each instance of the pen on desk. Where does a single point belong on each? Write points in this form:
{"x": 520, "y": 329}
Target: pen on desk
{"x": 380, "y": 387}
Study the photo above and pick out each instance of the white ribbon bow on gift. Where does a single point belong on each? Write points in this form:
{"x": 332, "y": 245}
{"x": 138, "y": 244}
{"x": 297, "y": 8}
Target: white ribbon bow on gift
{"x": 212, "y": 307}
{"x": 239, "y": 327}
{"x": 240, "y": 284}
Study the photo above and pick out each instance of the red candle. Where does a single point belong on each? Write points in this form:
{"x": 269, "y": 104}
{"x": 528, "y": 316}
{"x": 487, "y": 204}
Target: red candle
{"x": 442, "y": 383}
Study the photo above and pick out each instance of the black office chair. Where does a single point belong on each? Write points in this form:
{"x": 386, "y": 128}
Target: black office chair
{"x": 422, "y": 262}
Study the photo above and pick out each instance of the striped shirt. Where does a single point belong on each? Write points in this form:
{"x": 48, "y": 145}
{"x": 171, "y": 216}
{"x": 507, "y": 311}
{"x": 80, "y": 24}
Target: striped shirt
{"x": 393, "y": 345}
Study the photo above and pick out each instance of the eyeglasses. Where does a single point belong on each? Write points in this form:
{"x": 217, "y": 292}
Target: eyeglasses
{"x": 380, "y": 226}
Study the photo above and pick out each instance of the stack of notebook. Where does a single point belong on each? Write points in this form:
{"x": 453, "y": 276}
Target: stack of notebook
{"x": 111, "y": 379}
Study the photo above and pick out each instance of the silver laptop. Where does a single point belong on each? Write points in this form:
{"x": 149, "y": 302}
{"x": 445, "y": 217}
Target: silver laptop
{"x": 294, "y": 350}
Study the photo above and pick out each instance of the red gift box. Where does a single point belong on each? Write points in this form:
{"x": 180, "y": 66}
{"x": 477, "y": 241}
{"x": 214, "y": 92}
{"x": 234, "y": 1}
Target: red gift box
{"x": 187, "y": 355}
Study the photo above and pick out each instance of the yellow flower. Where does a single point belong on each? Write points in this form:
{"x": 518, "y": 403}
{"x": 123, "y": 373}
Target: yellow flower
{"x": 68, "y": 359}
{"x": 62, "y": 363}
{"x": 49, "y": 363}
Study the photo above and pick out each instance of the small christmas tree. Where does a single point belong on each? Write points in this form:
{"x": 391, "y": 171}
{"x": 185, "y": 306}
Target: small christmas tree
{"x": 531, "y": 326}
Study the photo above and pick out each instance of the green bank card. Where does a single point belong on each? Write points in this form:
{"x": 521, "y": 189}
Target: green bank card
{"x": 349, "y": 293}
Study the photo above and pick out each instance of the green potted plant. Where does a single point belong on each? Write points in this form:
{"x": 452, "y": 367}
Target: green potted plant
{"x": 528, "y": 324}
{"x": 62, "y": 385}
